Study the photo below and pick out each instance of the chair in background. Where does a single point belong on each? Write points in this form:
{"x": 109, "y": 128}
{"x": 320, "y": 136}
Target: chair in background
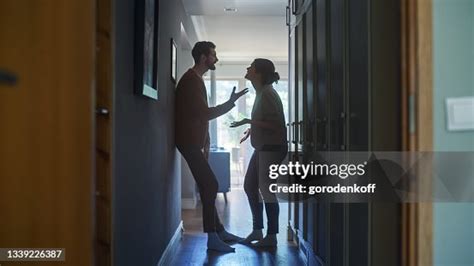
{"x": 237, "y": 165}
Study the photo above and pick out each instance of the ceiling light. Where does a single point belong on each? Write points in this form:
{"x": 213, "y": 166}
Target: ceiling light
{"x": 230, "y": 9}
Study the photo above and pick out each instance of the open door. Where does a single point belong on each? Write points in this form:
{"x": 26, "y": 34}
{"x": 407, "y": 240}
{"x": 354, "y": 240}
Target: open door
{"x": 47, "y": 124}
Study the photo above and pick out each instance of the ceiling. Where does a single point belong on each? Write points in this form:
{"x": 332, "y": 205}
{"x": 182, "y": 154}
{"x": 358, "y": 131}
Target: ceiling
{"x": 257, "y": 29}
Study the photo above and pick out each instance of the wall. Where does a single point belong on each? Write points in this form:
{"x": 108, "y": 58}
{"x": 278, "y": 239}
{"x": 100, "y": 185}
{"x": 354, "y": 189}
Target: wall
{"x": 188, "y": 185}
{"x": 453, "y": 77}
{"x": 227, "y": 70}
{"x": 147, "y": 189}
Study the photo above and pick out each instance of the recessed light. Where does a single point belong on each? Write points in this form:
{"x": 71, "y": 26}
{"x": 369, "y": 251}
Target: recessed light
{"x": 230, "y": 9}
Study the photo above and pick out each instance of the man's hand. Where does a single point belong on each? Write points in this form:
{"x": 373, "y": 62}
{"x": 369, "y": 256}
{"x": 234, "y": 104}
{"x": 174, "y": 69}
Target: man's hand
{"x": 246, "y": 135}
{"x": 235, "y": 96}
{"x": 241, "y": 122}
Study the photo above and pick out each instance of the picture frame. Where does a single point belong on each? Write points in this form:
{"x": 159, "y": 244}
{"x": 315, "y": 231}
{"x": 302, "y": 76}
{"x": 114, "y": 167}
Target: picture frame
{"x": 146, "y": 48}
{"x": 174, "y": 61}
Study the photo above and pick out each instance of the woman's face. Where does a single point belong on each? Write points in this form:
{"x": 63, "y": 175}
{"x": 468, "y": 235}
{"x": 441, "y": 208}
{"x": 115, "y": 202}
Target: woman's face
{"x": 252, "y": 74}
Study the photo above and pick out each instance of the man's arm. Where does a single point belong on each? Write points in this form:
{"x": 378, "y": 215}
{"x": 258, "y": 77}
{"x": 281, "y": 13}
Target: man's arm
{"x": 210, "y": 113}
{"x": 216, "y": 111}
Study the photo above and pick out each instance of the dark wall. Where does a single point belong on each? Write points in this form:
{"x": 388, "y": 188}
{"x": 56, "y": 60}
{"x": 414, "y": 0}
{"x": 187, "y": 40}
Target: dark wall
{"x": 146, "y": 185}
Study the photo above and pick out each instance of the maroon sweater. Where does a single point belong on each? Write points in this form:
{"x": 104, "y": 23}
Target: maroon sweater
{"x": 192, "y": 111}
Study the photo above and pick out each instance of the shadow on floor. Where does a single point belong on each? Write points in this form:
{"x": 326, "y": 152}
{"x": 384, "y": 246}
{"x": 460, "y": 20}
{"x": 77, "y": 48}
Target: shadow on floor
{"x": 237, "y": 219}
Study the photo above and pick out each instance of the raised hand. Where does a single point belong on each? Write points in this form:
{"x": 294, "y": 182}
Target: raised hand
{"x": 239, "y": 123}
{"x": 234, "y": 96}
{"x": 246, "y": 135}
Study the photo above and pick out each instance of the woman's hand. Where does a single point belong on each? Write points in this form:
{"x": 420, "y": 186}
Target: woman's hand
{"x": 239, "y": 123}
{"x": 246, "y": 135}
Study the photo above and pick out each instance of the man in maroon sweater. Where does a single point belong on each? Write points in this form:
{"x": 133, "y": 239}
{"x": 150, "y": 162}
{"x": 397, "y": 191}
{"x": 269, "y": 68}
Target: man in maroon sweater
{"x": 192, "y": 138}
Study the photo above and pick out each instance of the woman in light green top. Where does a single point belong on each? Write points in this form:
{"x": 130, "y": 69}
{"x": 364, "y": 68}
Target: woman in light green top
{"x": 268, "y": 137}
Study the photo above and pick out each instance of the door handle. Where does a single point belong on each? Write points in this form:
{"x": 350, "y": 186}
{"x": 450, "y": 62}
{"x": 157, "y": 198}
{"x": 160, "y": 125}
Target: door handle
{"x": 293, "y": 7}
{"x": 301, "y": 132}
{"x": 102, "y": 111}
{"x": 8, "y": 78}
{"x": 343, "y": 117}
{"x": 288, "y": 131}
{"x": 293, "y": 125}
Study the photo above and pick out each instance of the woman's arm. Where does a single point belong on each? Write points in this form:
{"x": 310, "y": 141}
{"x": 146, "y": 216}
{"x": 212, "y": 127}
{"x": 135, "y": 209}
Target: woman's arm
{"x": 258, "y": 123}
{"x": 264, "y": 124}
{"x": 246, "y": 135}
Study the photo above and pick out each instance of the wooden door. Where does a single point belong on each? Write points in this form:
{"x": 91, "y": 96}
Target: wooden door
{"x": 104, "y": 127}
{"x": 47, "y": 125}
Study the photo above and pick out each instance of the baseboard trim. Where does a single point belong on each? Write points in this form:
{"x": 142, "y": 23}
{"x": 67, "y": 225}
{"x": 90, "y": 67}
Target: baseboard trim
{"x": 188, "y": 203}
{"x": 172, "y": 247}
{"x": 305, "y": 249}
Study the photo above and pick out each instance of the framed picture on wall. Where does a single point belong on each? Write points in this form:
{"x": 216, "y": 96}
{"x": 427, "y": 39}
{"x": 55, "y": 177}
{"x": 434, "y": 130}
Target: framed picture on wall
{"x": 146, "y": 47}
{"x": 174, "y": 61}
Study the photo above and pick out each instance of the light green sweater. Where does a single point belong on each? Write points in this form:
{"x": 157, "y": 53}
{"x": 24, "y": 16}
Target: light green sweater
{"x": 268, "y": 107}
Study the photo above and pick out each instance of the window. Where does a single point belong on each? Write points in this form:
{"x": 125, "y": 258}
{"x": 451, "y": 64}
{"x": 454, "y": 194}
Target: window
{"x": 229, "y": 138}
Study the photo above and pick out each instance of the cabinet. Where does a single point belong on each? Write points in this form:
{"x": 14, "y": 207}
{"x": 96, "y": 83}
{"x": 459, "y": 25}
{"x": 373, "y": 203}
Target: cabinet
{"x": 345, "y": 88}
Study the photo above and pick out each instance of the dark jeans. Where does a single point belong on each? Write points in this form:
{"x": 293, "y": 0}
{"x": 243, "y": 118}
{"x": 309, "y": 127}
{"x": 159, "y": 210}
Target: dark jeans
{"x": 207, "y": 184}
{"x": 256, "y": 186}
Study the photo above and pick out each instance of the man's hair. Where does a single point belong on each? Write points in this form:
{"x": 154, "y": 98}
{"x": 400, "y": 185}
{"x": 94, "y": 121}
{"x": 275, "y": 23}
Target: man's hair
{"x": 202, "y": 48}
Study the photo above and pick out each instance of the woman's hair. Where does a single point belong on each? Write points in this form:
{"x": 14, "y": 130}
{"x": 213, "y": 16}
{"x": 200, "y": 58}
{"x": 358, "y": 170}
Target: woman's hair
{"x": 266, "y": 68}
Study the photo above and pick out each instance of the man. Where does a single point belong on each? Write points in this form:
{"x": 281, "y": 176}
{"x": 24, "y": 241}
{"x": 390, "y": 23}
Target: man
{"x": 192, "y": 138}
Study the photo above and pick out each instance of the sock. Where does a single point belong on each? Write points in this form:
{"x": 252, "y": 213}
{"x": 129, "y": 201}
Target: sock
{"x": 215, "y": 243}
{"x": 226, "y": 236}
{"x": 255, "y": 235}
{"x": 269, "y": 240}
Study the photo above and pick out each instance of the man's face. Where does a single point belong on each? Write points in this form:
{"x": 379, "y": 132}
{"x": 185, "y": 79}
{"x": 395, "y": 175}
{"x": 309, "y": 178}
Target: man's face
{"x": 211, "y": 59}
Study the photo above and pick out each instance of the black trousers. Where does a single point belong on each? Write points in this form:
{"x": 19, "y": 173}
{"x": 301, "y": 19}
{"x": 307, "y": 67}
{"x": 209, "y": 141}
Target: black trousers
{"x": 256, "y": 186}
{"x": 207, "y": 184}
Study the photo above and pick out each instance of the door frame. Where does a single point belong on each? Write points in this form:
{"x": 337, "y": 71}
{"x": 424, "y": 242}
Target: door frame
{"x": 417, "y": 122}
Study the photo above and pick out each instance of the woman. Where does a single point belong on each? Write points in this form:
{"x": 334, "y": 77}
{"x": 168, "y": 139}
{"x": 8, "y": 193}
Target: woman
{"x": 268, "y": 137}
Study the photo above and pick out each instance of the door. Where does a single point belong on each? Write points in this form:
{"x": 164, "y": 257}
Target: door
{"x": 300, "y": 114}
{"x": 292, "y": 144}
{"x": 352, "y": 59}
{"x": 46, "y": 140}
{"x": 104, "y": 127}
{"x": 321, "y": 43}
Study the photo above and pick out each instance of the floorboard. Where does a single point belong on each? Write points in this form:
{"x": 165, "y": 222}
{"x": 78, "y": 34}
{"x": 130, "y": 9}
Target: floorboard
{"x": 236, "y": 218}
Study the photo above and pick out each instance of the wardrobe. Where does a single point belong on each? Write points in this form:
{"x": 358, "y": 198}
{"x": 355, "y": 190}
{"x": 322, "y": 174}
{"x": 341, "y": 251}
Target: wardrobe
{"x": 345, "y": 95}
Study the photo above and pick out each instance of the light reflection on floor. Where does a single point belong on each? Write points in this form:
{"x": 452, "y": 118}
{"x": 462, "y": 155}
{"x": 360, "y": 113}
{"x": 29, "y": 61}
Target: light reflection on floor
{"x": 237, "y": 219}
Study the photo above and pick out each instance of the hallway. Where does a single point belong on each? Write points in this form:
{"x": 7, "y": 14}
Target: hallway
{"x": 89, "y": 162}
{"x": 237, "y": 219}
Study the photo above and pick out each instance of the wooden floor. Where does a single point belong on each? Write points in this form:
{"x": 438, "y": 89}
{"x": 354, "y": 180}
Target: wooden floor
{"x": 237, "y": 219}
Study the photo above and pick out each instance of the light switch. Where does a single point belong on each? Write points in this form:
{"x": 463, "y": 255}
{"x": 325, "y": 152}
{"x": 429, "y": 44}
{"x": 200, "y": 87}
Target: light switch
{"x": 460, "y": 113}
